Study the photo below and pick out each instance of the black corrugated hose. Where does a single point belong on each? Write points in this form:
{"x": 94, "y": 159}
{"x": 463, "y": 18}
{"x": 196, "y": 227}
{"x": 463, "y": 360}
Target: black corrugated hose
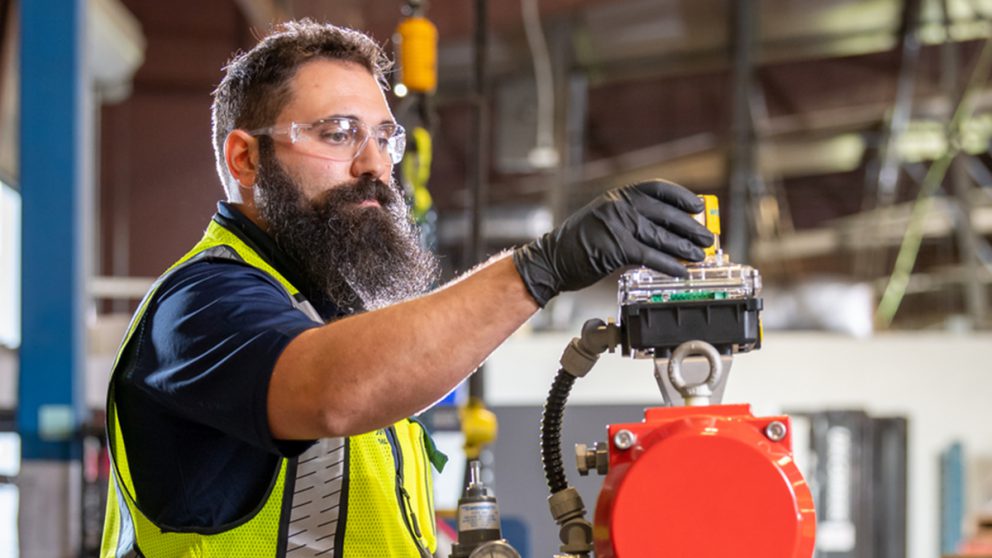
{"x": 551, "y": 419}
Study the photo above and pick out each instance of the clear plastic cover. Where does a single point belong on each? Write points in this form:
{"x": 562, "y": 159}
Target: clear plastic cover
{"x": 714, "y": 279}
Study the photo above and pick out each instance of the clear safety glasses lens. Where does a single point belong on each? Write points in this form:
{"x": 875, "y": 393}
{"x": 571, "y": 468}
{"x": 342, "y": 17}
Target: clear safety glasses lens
{"x": 344, "y": 138}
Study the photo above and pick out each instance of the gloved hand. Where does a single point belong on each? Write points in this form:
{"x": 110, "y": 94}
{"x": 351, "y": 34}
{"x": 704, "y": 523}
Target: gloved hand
{"x": 648, "y": 223}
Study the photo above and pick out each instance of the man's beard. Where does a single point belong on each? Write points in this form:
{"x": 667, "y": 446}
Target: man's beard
{"x": 346, "y": 250}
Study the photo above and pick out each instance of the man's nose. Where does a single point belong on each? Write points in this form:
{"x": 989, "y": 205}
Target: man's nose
{"x": 371, "y": 160}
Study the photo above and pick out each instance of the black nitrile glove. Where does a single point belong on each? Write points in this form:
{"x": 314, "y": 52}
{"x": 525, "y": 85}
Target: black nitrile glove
{"x": 648, "y": 223}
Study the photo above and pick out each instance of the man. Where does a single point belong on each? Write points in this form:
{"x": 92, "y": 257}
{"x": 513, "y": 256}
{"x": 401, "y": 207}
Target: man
{"x": 259, "y": 405}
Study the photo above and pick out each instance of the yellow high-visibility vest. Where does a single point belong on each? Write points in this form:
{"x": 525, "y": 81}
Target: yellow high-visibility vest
{"x": 385, "y": 496}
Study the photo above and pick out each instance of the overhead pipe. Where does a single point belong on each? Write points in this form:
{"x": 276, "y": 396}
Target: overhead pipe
{"x": 883, "y": 173}
{"x": 975, "y": 296}
{"x": 896, "y": 285}
{"x": 743, "y": 151}
{"x": 478, "y": 160}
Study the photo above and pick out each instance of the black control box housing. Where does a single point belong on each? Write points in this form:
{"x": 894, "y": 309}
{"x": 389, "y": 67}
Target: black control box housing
{"x": 730, "y": 325}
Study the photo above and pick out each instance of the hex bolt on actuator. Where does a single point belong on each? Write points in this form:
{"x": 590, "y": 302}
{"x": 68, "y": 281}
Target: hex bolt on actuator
{"x": 776, "y": 431}
{"x": 624, "y": 440}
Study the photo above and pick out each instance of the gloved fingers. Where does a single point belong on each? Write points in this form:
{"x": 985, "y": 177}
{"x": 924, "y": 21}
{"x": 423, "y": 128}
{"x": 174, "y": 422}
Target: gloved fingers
{"x": 677, "y": 221}
{"x": 672, "y": 194}
{"x": 667, "y": 241}
{"x": 660, "y": 261}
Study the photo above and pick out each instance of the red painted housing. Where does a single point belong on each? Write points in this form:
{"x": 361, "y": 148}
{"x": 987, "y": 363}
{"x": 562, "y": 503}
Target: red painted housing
{"x": 704, "y": 482}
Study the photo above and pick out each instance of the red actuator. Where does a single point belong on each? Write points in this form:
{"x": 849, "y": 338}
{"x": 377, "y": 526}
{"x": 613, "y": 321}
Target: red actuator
{"x": 704, "y": 482}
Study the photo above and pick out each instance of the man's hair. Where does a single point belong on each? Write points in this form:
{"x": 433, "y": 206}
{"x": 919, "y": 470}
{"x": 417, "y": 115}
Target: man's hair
{"x": 255, "y": 87}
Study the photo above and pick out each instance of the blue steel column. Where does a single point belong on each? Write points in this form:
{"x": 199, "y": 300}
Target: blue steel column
{"x": 50, "y": 396}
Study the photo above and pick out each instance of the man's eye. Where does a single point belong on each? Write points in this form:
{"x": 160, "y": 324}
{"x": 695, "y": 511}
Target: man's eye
{"x": 335, "y": 136}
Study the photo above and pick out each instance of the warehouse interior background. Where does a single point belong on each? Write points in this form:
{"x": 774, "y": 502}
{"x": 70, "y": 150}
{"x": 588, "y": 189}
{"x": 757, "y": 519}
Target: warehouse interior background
{"x": 848, "y": 141}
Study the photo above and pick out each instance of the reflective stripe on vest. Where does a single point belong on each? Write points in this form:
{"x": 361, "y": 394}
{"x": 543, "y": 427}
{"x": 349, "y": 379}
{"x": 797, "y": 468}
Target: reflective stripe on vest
{"x": 375, "y": 493}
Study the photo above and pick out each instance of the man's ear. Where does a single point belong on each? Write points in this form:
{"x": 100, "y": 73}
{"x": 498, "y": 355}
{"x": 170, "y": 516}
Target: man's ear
{"x": 241, "y": 156}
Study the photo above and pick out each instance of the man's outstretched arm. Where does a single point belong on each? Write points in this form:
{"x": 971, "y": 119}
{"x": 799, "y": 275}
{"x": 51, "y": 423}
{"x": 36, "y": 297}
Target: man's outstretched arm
{"x": 367, "y": 371}
{"x": 370, "y": 370}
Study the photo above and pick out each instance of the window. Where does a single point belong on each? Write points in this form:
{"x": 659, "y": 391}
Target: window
{"x": 10, "y": 461}
{"x": 10, "y": 336}
{"x": 10, "y": 266}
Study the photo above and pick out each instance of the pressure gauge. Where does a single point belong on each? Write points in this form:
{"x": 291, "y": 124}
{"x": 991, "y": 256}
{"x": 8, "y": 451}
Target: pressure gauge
{"x": 495, "y": 549}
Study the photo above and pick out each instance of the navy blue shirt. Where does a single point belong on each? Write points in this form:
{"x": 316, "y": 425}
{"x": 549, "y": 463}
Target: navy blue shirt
{"x": 193, "y": 406}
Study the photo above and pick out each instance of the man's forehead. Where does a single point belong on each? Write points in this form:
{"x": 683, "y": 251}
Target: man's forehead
{"x": 322, "y": 88}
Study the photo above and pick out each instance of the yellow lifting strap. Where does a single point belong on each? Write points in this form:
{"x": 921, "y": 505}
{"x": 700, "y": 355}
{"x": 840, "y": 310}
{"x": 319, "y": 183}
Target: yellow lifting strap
{"x": 417, "y": 171}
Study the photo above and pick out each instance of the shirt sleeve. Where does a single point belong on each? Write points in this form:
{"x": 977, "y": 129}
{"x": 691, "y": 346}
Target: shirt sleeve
{"x": 208, "y": 346}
